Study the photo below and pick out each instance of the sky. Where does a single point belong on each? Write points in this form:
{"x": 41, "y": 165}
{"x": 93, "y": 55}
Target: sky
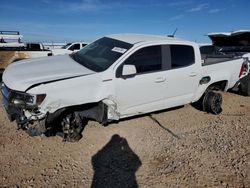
{"x": 87, "y": 20}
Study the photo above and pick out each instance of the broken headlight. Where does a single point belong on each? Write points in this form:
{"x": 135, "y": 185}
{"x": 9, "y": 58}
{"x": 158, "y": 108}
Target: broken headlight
{"x": 21, "y": 98}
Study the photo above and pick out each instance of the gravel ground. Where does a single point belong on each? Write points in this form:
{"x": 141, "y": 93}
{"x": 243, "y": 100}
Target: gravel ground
{"x": 182, "y": 147}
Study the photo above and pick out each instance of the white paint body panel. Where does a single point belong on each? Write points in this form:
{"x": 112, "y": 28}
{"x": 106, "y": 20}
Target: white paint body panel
{"x": 22, "y": 74}
{"x": 140, "y": 94}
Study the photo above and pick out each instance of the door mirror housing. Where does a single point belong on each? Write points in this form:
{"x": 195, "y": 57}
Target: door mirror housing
{"x": 128, "y": 70}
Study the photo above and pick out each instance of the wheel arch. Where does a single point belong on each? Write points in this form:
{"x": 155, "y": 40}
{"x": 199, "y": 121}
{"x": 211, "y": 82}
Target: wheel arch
{"x": 218, "y": 86}
{"x": 97, "y": 111}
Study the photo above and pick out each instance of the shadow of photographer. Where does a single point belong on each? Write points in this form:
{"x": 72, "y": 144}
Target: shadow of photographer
{"x": 115, "y": 165}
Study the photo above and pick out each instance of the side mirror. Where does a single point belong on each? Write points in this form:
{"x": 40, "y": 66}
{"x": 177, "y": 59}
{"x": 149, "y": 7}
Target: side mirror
{"x": 128, "y": 70}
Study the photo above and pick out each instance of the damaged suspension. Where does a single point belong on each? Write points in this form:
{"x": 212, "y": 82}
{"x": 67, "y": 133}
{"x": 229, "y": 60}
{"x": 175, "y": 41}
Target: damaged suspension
{"x": 72, "y": 127}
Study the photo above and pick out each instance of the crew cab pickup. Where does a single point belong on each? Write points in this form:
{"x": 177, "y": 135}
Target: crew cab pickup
{"x": 69, "y": 48}
{"x": 115, "y": 77}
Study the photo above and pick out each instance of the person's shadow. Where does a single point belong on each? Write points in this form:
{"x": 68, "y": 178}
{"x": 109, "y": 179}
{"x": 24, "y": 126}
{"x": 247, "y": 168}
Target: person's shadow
{"x": 115, "y": 165}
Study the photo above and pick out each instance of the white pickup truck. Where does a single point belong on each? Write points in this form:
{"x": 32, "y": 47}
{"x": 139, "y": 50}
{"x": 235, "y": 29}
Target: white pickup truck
{"x": 69, "y": 48}
{"x": 116, "y": 76}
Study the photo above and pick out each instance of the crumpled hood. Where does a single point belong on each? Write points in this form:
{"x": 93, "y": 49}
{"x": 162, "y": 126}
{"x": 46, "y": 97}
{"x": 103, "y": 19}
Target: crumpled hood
{"x": 23, "y": 74}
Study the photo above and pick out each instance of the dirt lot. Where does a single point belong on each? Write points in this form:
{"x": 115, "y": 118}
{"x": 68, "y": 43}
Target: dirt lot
{"x": 183, "y": 147}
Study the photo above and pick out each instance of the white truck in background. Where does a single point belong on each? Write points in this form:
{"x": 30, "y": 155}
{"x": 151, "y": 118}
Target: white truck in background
{"x": 12, "y": 49}
{"x": 68, "y": 48}
{"x": 115, "y": 77}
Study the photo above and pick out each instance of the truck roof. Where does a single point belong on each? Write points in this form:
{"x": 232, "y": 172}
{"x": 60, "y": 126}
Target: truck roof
{"x": 140, "y": 38}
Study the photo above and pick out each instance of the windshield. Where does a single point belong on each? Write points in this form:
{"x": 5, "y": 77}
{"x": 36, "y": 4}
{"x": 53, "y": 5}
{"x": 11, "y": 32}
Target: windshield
{"x": 101, "y": 54}
{"x": 66, "y": 46}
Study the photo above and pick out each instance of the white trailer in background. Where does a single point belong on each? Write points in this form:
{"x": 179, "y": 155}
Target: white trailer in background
{"x": 10, "y": 39}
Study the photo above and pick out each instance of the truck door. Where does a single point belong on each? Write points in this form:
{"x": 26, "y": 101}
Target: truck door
{"x": 182, "y": 79}
{"x": 144, "y": 91}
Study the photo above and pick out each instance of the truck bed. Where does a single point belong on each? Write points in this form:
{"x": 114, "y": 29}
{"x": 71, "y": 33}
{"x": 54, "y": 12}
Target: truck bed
{"x": 213, "y": 59}
{"x": 223, "y": 69}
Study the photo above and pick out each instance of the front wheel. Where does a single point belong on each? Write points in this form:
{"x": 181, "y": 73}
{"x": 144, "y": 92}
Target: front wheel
{"x": 212, "y": 102}
{"x": 72, "y": 126}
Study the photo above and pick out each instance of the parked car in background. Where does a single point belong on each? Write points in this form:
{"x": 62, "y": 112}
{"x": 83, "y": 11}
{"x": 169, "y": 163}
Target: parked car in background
{"x": 69, "y": 48}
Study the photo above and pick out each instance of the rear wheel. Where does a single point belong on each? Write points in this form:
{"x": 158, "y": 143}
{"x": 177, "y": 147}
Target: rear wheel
{"x": 245, "y": 85}
{"x": 212, "y": 102}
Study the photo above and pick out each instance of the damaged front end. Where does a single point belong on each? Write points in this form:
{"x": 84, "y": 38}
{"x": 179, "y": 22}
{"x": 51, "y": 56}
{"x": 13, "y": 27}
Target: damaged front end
{"x": 68, "y": 122}
{"x": 23, "y": 108}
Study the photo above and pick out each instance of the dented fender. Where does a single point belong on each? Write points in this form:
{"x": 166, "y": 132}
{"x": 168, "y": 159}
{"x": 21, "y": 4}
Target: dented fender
{"x": 112, "y": 113}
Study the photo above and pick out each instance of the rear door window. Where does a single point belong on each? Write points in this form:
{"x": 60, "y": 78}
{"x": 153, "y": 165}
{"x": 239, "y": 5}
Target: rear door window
{"x": 181, "y": 56}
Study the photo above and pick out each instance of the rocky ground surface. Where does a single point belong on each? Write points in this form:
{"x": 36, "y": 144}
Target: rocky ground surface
{"x": 183, "y": 147}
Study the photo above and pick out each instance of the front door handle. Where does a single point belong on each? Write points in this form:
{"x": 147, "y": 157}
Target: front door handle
{"x": 160, "y": 79}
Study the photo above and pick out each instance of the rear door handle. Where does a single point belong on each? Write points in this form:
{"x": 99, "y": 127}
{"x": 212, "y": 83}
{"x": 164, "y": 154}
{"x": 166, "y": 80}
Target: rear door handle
{"x": 160, "y": 79}
{"x": 192, "y": 74}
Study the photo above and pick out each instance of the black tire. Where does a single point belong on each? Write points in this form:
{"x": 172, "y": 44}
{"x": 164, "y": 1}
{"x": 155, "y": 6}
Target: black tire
{"x": 245, "y": 85}
{"x": 72, "y": 126}
{"x": 212, "y": 102}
